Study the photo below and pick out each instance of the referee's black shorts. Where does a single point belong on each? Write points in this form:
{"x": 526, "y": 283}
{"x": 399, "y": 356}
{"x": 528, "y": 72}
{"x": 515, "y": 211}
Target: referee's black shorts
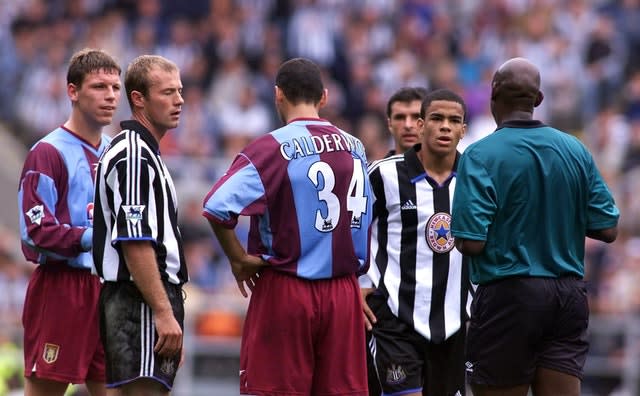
{"x": 128, "y": 332}
{"x": 522, "y": 323}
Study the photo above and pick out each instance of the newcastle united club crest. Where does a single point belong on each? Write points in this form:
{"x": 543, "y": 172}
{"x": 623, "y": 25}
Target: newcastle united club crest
{"x": 438, "y": 233}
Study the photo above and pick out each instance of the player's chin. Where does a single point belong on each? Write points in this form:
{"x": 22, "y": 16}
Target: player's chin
{"x": 443, "y": 150}
{"x": 174, "y": 120}
{"x": 172, "y": 124}
{"x": 104, "y": 120}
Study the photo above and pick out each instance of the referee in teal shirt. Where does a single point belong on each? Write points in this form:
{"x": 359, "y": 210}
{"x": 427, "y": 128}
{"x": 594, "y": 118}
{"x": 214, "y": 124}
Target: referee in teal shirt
{"x": 526, "y": 197}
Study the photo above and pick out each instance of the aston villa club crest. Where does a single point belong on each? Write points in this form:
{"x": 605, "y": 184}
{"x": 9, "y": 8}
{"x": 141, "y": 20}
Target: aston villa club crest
{"x": 438, "y": 233}
{"x": 50, "y": 353}
{"x": 133, "y": 213}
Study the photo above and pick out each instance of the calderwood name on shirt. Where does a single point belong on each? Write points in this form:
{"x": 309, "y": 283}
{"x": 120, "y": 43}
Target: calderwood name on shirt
{"x": 312, "y": 145}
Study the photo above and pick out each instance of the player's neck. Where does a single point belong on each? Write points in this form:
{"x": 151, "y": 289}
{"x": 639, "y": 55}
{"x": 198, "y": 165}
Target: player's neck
{"x": 438, "y": 167}
{"x": 515, "y": 115}
{"x": 84, "y": 128}
{"x": 157, "y": 133}
{"x": 301, "y": 111}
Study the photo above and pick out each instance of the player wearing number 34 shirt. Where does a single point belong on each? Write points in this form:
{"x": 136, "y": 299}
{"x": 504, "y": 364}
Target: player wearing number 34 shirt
{"x": 306, "y": 190}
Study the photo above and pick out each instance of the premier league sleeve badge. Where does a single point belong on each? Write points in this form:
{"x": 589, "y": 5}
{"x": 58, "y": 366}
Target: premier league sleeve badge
{"x": 438, "y": 233}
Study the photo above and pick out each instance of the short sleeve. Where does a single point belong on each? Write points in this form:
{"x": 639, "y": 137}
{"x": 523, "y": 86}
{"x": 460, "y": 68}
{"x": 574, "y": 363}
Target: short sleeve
{"x": 601, "y": 208}
{"x": 134, "y": 200}
{"x": 474, "y": 200}
{"x": 239, "y": 192}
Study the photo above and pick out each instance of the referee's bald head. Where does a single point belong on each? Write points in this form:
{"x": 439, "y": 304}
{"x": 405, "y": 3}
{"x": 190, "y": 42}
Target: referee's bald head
{"x": 515, "y": 88}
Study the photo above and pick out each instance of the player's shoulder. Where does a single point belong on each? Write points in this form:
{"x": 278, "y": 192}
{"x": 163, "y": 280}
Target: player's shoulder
{"x": 356, "y": 142}
{"x": 57, "y": 142}
{"x": 58, "y": 138}
{"x": 383, "y": 163}
{"x": 129, "y": 136}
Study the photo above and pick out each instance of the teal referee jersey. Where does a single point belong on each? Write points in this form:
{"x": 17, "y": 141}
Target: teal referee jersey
{"x": 530, "y": 192}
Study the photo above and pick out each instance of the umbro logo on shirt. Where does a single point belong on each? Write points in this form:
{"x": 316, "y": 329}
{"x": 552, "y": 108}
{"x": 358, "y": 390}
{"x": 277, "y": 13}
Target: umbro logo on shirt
{"x": 408, "y": 205}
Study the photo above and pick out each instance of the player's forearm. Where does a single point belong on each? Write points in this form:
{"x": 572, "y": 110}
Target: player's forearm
{"x": 469, "y": 247}
{"x": 60, "y": 240}
{"x": 228, "y": 241}
{"x": 607, "y": 235}
{"x": 141, "y": 261}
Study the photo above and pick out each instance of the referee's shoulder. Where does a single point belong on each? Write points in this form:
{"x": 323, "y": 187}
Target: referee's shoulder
{"x": 377, "y": 164}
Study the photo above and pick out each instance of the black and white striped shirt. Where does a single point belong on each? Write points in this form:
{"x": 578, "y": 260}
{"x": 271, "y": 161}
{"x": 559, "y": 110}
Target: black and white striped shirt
{"x": 135, "y": 199}
{"x": 413, "y": 261}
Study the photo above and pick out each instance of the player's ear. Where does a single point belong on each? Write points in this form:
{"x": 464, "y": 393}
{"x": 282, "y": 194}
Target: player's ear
{"x": 72, "y": 92}
{"x": 324, "y": 99}
{"x": 278, "y": 94}
{"x": 137, "y": 98}
{"x": 539, "y": 99}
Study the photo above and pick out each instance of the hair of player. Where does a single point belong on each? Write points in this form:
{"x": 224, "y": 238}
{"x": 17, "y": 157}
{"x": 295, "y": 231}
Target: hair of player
{"x": 137, "y": 77}
{"x": 87, "y": 61}
{"x": 442, "y": 94}
{"x": 300, "y": 80}
{"x": 406, "y": 95}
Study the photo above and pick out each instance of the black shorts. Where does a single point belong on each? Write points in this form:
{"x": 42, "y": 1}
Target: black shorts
{"x": 129, "y": 335}
{"x": 520, "y": 324}
{"x": 406, "y": 361}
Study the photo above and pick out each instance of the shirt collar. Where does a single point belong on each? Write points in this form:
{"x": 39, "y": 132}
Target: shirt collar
{"x": 522, "y": 124}
{"x": 417, "y": 172}
{"x": 134, "y": 125}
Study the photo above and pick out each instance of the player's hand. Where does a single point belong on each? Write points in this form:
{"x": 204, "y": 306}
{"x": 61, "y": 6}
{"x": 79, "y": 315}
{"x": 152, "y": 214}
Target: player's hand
{"x": 169, "y": 334}
{"x": 369, "y": 317}
{"x": 247, "y": 271}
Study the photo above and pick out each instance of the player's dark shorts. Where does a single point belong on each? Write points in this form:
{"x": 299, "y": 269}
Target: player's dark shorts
{"x": 407, "y": 362}
{"x": 373, "y": 383}
{"x": 128, "y": 330}
{"x": 60, "y": 318}
{"x": 519, "y": 324}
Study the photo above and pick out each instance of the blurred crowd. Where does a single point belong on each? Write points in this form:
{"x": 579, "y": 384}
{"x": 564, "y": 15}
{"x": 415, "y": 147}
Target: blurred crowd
{"x": 228, "y": 52}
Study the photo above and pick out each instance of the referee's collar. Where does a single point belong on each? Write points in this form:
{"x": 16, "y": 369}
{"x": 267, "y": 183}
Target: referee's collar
{"x": 521, "y": 124}
{"x": 416, "y": 170}
{"x": 140, "y": 129}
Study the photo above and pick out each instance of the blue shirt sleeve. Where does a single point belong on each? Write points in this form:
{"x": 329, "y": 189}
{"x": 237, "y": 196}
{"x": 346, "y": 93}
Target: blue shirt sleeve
{"x": 239, "y": 192}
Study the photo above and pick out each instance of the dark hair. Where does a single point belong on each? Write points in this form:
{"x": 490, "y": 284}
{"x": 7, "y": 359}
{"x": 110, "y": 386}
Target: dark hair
{"x": 405, "y": 95}
{"x": 87, "y": 61}
{"x": 300, "y": 81}
{"x": 442, "y": 94}
{"x": 137, "y": 76}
